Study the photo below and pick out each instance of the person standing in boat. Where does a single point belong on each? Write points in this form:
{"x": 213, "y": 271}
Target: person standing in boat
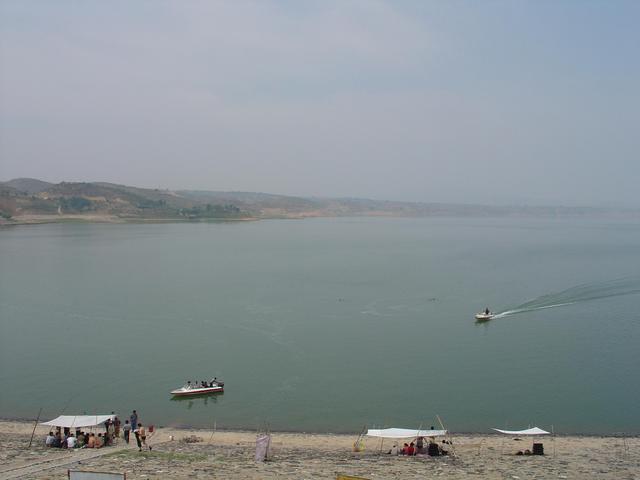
{"x": 487, "y": 311}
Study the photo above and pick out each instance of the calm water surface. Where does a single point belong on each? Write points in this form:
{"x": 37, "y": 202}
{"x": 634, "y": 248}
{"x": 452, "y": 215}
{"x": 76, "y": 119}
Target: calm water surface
{"x": 326, "y": 324}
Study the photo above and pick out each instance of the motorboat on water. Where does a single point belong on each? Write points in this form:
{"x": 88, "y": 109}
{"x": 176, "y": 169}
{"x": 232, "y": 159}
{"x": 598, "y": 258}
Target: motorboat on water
{"x": 190, "y": 390}
{"x": 485, "y": 316}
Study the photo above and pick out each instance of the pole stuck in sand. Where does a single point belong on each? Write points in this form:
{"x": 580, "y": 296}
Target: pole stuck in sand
{"x": 34, "y": 427}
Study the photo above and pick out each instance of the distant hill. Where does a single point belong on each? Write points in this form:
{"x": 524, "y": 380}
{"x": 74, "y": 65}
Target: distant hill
{"x": 19, "y": 201}
{"x": 28, "y": 185}
{"x": 31, "y": 200}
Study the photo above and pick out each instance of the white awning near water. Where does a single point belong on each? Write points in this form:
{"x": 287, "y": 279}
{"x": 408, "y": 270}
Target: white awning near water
{"x": 404, "y": 433}
{"x": 76, "y": 421}
{"x": 528, "y": 431}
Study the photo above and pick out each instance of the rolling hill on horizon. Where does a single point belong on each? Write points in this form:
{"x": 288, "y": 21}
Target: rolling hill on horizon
{"x": 27, "y": 199}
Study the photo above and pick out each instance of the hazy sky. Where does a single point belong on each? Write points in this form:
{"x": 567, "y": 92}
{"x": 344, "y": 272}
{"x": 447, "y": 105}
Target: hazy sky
{"x": 453, "y": 101}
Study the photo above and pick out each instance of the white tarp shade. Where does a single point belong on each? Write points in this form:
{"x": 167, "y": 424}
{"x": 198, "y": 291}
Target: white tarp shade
{"x": 75, "y": 421}
{"x": 528, "y": 431}
{"x": 405, "y": 433}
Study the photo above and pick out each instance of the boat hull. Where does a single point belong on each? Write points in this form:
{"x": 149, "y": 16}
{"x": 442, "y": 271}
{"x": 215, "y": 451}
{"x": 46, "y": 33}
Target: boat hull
{"x": 190, "y": 392}
{"x": 483, "y": 317}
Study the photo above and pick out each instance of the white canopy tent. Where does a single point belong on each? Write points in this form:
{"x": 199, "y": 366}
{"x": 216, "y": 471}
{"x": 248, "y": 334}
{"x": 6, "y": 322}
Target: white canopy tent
{"x": 533, "y": 432}
{"x": 79, "y": 421}
{"x": 528, "y": 431}
{"x": 405, "y": 433}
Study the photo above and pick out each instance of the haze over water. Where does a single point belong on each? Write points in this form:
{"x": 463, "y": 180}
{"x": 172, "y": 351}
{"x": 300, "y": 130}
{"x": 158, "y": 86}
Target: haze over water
{"x": 326, "y": 324}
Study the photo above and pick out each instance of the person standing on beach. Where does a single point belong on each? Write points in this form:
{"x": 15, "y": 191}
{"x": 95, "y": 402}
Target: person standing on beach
{"x": 143, "y": 435}
{"x": 116, "y": 424}
{"x": 127, "y": 431}
{"x": 134, "y": 419}
{"x": 136, "y": 432}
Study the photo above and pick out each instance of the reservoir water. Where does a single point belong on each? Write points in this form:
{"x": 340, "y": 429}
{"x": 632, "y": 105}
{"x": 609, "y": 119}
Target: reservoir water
{"x": 327, "y": 324}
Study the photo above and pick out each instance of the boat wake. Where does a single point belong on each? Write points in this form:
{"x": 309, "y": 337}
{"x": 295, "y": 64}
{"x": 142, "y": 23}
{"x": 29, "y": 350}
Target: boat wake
{"x": 581, "y": 293}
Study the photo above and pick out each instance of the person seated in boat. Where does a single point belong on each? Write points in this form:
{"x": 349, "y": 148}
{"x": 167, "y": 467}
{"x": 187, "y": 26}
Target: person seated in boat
{"x": 213, "y": 382}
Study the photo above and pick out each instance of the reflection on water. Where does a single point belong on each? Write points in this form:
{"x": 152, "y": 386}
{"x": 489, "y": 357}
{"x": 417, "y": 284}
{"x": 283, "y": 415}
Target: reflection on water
{"x": 203, "y": 399}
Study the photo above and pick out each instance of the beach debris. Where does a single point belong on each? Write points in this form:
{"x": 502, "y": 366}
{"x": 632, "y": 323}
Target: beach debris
{"x": 191, "y": 439}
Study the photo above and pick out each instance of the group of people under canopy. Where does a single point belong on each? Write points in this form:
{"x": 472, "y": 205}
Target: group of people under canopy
{"x": 203, "y": 383}
{"x": 424, "y": 441}
{"x": 70, "y": 431}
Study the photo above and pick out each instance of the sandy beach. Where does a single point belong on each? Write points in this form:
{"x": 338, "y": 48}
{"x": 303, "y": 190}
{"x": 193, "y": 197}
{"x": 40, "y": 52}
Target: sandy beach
{"x": 229, "y": 454}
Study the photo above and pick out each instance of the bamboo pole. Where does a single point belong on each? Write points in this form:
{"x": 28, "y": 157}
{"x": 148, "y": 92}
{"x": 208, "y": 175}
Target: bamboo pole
{"x": 214, "y": 430}
{"x": 34, "y": 427}
{"x": 448, "y": 436}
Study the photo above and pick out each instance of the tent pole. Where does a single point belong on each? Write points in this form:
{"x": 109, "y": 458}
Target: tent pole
{"x": 214, "y": 430}
{"x": 448, "y": 436}
{"x": 34, "y": 427}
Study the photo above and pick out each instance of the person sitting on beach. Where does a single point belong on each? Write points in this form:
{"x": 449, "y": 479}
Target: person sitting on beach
{"x": 99, "y": 442}
{"x": 420, "y": 445}
{"x": 91, "y": 443}
{"x": 50, "y": 440}
{"x": 411, "y": 450}
{"x": 394, "y": 450}
{"x": 80, "y": 439}
{"x": 71, "y": 441}
{"x": 405, "y": 448}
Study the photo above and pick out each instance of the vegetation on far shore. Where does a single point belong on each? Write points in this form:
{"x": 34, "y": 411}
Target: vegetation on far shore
{"x": 26, "y": 200}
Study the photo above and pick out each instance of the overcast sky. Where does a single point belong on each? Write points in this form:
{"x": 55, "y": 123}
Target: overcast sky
{"x": 452, "y": 101}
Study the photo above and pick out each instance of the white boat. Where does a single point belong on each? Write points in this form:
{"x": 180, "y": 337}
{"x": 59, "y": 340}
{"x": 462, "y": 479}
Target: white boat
{"x": 188, "y": 390}
{"x": 484, "y": 316}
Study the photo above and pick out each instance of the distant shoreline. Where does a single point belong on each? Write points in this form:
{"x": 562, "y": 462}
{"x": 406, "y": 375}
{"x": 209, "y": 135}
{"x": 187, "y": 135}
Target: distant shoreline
{"x": 115, "y": 220}
{"x": 110, "y": 219}
{"x": 32, "y": 201}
